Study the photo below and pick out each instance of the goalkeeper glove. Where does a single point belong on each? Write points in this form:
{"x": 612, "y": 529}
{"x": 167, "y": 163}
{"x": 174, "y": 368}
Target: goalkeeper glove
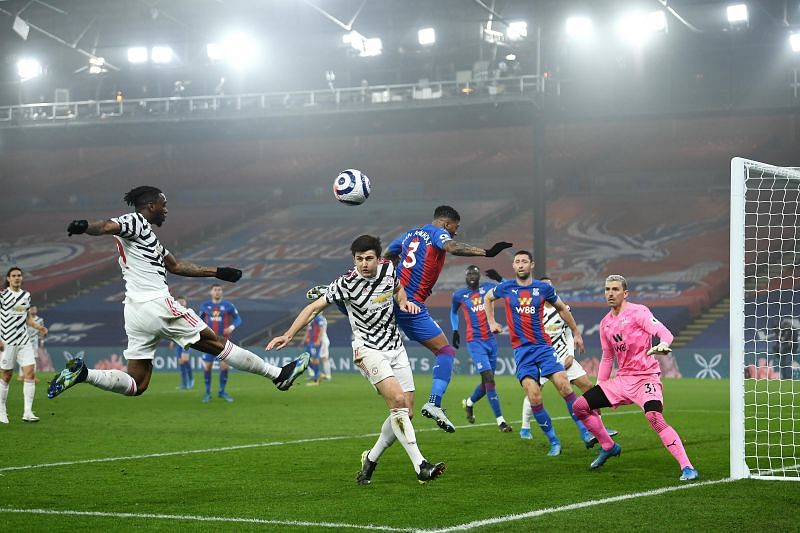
{"x": 497, "y": 248}
{"x": 456, "y": 340}
{"x": 662, "y": 348}
{"x": 77, "y": 226}
{"x": 494, "y": 275}
{"x": 228, "y": 274}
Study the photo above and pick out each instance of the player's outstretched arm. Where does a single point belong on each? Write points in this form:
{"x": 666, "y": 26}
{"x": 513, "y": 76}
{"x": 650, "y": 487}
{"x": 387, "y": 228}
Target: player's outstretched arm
{"x": 300, "y": 322}
{"x": 192, "y": 270}
{"x": 98, "y": 227}
{"x": 460, "y": 248}
{"x": 401, "y": 298}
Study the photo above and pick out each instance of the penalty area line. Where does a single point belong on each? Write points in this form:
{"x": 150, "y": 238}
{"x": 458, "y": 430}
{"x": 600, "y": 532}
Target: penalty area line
{"x": 571, "y": 507}
{"x": 194, "y": 518}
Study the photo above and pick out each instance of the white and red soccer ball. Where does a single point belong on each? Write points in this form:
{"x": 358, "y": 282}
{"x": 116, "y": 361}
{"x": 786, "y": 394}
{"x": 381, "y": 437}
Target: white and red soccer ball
{"x": 351, "y": 187}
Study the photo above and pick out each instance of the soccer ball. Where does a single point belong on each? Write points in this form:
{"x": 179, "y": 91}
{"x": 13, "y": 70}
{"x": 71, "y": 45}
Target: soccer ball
{"x": 351, "y": 187}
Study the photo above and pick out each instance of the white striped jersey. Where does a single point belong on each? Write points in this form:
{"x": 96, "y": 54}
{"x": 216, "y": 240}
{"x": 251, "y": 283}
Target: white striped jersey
{"x": 559, "y": 333}
{"x": 13, "y": 317}
{"x": 141, "y": 258}
{"x": 370, "y": 306}
{"x": 33, "y": 333}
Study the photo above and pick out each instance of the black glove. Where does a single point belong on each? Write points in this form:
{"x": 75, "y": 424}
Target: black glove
{"x": 77, "y": 226}
{"x": 497, "y": 248}
{"x": 228, "y": 274}
{"x": 456, "y": 340}
{"x": 494, "y": 275}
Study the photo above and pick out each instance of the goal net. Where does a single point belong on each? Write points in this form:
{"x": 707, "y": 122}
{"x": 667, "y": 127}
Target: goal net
{"x": 765, "y": 321}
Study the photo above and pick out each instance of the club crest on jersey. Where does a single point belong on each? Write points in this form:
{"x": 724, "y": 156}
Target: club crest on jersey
{"x": 535, "y": 291}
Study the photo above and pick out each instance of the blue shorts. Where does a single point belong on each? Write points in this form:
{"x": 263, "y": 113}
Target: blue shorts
{"x": 484, "y": 355}
{"x": 419, "y": 327}
{"x": 536, "y": 362}
{"x": 208, "y": 358}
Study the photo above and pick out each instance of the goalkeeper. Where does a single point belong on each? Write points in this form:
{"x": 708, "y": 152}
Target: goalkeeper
{"x": 626, "y": 334}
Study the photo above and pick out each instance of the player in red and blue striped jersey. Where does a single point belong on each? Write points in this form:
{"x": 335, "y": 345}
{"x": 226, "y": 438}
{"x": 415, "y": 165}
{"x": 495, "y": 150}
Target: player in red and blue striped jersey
{"x": 419, "y": 254}
{"x": 533, "y": 350}
{"x": 222, "y": 317}
{"x": 316, "y": 343}
{"x": 480, "y": 342}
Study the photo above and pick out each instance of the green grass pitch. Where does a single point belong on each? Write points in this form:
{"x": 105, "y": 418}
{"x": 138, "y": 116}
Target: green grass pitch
{"x": 277, "y": 458}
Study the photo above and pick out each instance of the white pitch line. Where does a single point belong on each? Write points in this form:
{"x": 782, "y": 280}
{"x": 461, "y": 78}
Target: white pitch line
{"x": 248, "y": 446}
{"x": 571, "y": 507}
{"x": 194, "y": 518}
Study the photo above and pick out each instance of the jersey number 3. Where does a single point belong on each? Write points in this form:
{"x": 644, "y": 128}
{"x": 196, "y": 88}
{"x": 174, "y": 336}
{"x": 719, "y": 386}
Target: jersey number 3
{"x": 411, "y": 259}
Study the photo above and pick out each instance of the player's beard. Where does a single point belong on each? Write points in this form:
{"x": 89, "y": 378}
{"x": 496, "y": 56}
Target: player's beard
{"x": 523, "y": 277}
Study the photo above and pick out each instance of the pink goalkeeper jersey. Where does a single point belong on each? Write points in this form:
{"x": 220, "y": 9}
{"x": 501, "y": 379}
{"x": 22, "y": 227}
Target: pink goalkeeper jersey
{"x": 628, "y": 337}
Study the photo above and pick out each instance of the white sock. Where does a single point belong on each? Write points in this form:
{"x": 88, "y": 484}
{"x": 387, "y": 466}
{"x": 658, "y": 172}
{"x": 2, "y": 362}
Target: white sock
{"x": 3, "y": 395}
{"x": 326, "y": 366}
{"x": 500, "y": 420}
{"x": 385, "y": 439}
{"x": 469, "y": 402}
{"x": 28, "y": 391}
{"x": 404, "y": 431}
{"x": 526, "y": 413}
{"x": 112, "y": 380}
{"x": 242, "y": 359}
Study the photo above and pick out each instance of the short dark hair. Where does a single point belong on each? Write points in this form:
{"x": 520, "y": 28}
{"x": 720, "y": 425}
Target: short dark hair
{"x": 473, "y": 267}
{"x": 141, "y": 196}
{"x": 445, "y": 211}
{"x": 365, "y": 243}
{"x": 216, "y": 285}
{"x": 524, "y": 252}
{"x": 10, "y": 270}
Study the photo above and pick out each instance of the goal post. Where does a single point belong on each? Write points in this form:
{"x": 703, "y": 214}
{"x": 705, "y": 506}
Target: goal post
{"x": 764, "y": 309}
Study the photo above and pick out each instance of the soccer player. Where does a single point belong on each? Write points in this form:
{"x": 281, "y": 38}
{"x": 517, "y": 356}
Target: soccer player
{"x": 183, "y": 357}
{"x": 37, "y": 342}
{"x": 370, "y": 291}
{"x": 222, "y": 317}
{"x": 481, "y": 343}
{"x": 317, "y": 343}
{"x": 151, "y": 314}
{"x": 533, "y": 350}
{"x": 626, "y": 335}
{"x": 15, "y": 343}
{"x": 561, "y": 337}
{"x": 420, "y": 253}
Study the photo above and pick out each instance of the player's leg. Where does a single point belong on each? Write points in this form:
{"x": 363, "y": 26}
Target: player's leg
{"x": 581, "y": 380}
{"x": 28, "y": 372}
{"x": 564, "y": 388}
{"x": 598, "y": 397}
{"x": 208, "y": 367}
{"x": 5, "y": 379}
{"x": 223, "y": 381}
{"x": 528, "y": 374}
{"x": 480, "y": 362}
{"x": 247, "y": 361}
{"x": 182, "y": 371}
{"x": 527, "y": 414}
{"x": 325, "y": 360}
{"x": 650, "y": 397}
{"x": 491, "y": 391}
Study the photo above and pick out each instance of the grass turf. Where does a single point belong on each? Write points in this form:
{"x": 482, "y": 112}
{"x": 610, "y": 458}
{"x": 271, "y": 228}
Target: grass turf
{"x": 293, "y": 457}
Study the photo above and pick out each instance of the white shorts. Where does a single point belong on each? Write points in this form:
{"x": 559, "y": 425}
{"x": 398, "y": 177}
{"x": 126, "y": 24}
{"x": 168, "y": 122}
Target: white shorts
{"x": 574, "y": 371}
{"x": 23, "y": 355}
{"x": 377, "y": 365}
{"x": 147, "y": 323}
{"x": 324, "y": 348}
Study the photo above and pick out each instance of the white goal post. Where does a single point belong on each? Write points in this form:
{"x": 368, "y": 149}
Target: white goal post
{"x": 764, "y": 321}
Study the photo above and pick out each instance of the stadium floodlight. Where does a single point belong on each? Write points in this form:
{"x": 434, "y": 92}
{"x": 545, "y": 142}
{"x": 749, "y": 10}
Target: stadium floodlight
{"x": 737, "y": 13}
{"x": 137, "y": 54}
{"x": 28, "y": 68}
{"x": 372, "y": 47}
{"x": 579, "y": 27}
{"x": 794, "y": 42}
{"x": 162, "y": 54}
{"x": 517, "y": 30}
{"x": 426, "y": 36}
{"x": 239, "y": 49}
{"x": 636, "y": 27}
{"x": 97, "y": 65}
{"x": 214, "y": 51}
{"x": 511, "y": 57}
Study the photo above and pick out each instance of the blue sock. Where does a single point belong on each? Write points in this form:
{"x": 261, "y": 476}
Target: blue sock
{"x": 223, "y": 380}
{"x": 207, "y": 379}
{"x": 478, "y": 393}
{"x": 442, "y": 370}
{"x": 189, "y": 379}
{"x": 183, "y": 376}
{"x": 570, "y": 399}
{"x": 314, "y": 369}
{"x": 543, "y": 419}
{"x": 494, "y": 400}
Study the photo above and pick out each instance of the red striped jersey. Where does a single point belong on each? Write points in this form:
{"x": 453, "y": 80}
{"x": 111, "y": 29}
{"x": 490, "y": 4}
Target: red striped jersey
{"x": 470, "y": 302}
{"x": 525, "y": 311}
{"x": 422, "y": 254}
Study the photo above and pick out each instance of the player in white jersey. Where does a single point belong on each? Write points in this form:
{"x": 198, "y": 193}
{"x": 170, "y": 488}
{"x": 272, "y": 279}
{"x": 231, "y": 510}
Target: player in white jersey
{"x": 15, "y": 343}
{"x": 369, "y": 291}
{"x": 37, "y": 341}
{"x": 151, "y": 314}
{"x": 564, "y": 346}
